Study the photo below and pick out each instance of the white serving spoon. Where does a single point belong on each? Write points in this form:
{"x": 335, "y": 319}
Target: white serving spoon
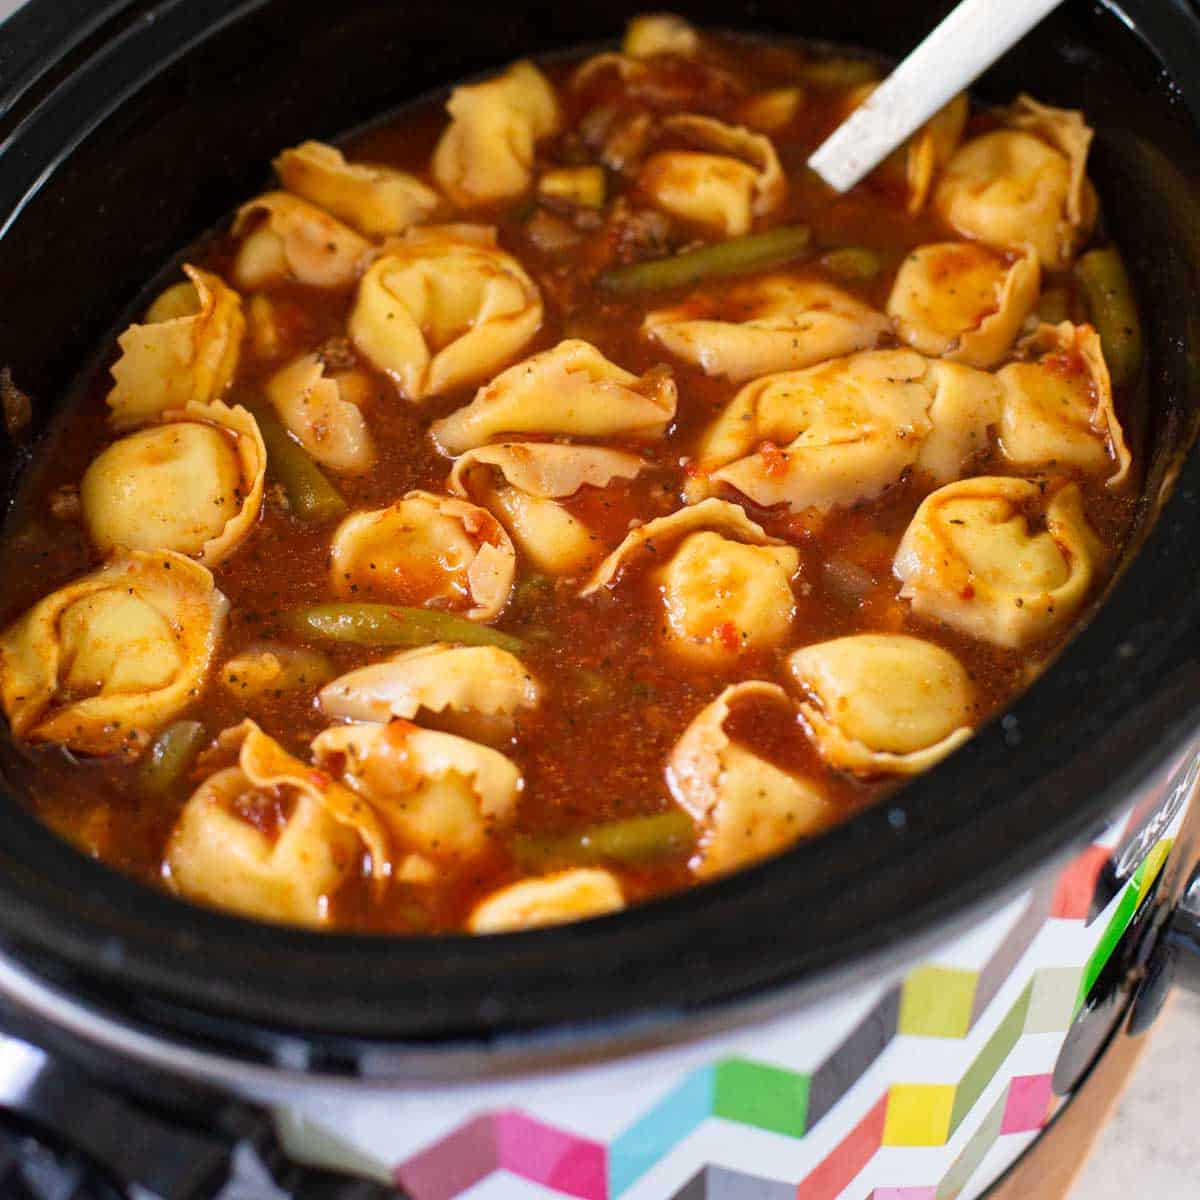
{"x": 951, "y": 58}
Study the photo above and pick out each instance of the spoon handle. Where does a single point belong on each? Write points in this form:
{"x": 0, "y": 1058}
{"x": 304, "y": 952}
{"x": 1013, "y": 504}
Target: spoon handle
{"x": 972, "y": 37}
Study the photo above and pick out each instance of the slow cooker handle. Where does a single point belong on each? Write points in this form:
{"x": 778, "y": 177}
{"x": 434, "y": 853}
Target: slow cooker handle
{"x": 1174, "y": 959}
{"x": 62, "y": 1135}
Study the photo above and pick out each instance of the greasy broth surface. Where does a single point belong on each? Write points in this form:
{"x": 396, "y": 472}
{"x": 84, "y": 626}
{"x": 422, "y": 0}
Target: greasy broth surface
{"x": 586, "y": 754}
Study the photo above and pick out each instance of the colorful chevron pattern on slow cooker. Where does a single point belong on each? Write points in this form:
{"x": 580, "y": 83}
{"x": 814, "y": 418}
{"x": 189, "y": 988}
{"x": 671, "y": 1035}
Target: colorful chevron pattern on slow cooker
{"x": 936, "y": 1004}
{"x": 758, "y": 1095}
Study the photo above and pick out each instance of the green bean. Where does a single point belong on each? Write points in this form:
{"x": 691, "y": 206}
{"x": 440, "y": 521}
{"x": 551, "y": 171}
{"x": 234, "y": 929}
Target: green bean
{"x": 1101, "y": 275}
{"x": 169, "y": 757}
{"x": 733, "y": 257}
{"x": 839, "y": 72}
{"x": 311, "y": 495}
{"x": 852, "y": 262}
{"x": 358, "y": 624}
{"x": 633, "y": 840}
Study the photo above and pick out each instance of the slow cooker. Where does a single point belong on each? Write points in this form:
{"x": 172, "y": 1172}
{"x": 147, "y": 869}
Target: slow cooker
{"x": 894, "y": 1010}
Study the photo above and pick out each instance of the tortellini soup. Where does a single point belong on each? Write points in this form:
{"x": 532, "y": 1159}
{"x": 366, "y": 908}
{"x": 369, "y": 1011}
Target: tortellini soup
{"x": 554, "y": 496}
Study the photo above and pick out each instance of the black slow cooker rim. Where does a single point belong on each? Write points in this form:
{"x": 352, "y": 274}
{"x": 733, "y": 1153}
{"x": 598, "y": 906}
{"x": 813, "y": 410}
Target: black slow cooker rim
{"x": 1011, "y": 799}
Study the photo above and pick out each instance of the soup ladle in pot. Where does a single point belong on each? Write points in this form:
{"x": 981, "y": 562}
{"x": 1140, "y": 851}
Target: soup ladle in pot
{"x": 970, "y": 39}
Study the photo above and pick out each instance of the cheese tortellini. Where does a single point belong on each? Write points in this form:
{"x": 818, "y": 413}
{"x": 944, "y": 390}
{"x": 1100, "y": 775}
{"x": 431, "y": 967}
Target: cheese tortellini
{"x": 572, "y": 895}
{"x": 848, "y": 429}
{"x": 284, "y": 238}
{"x": 109, "y": 659}
{"x": 1057, "y": 410}
{"x": 775, "y": 323}
{"x": 374, "y": 199}
{"x": 471, "y": 682}
{"x": 442, "y": 308}
{"x": 882, "y": 703}
{"x": 192, "y": 483}
{"x": 425, "y": 549}
{"x": 187, "y": 351}
{"x": 522, "y": 484}
{"x": 726, "y": 588}
{"x": 572, "y": 391}
{"x": 323, "y": 412}
{"x": 972, "y": 559}
{"x": 745, "y": 807}
{"x": 440, "y": 795}
{"x": 724, "y": 597}
{"x": 219, "y": 853}
{"x": 1024, "y": 184}
{"x": 486, "y": 155}
{"x": 736, "y": 178}
{"x": 963, "y": 301}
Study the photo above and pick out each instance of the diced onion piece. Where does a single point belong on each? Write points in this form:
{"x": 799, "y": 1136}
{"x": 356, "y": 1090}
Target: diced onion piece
{"x": 583, "y": 186}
